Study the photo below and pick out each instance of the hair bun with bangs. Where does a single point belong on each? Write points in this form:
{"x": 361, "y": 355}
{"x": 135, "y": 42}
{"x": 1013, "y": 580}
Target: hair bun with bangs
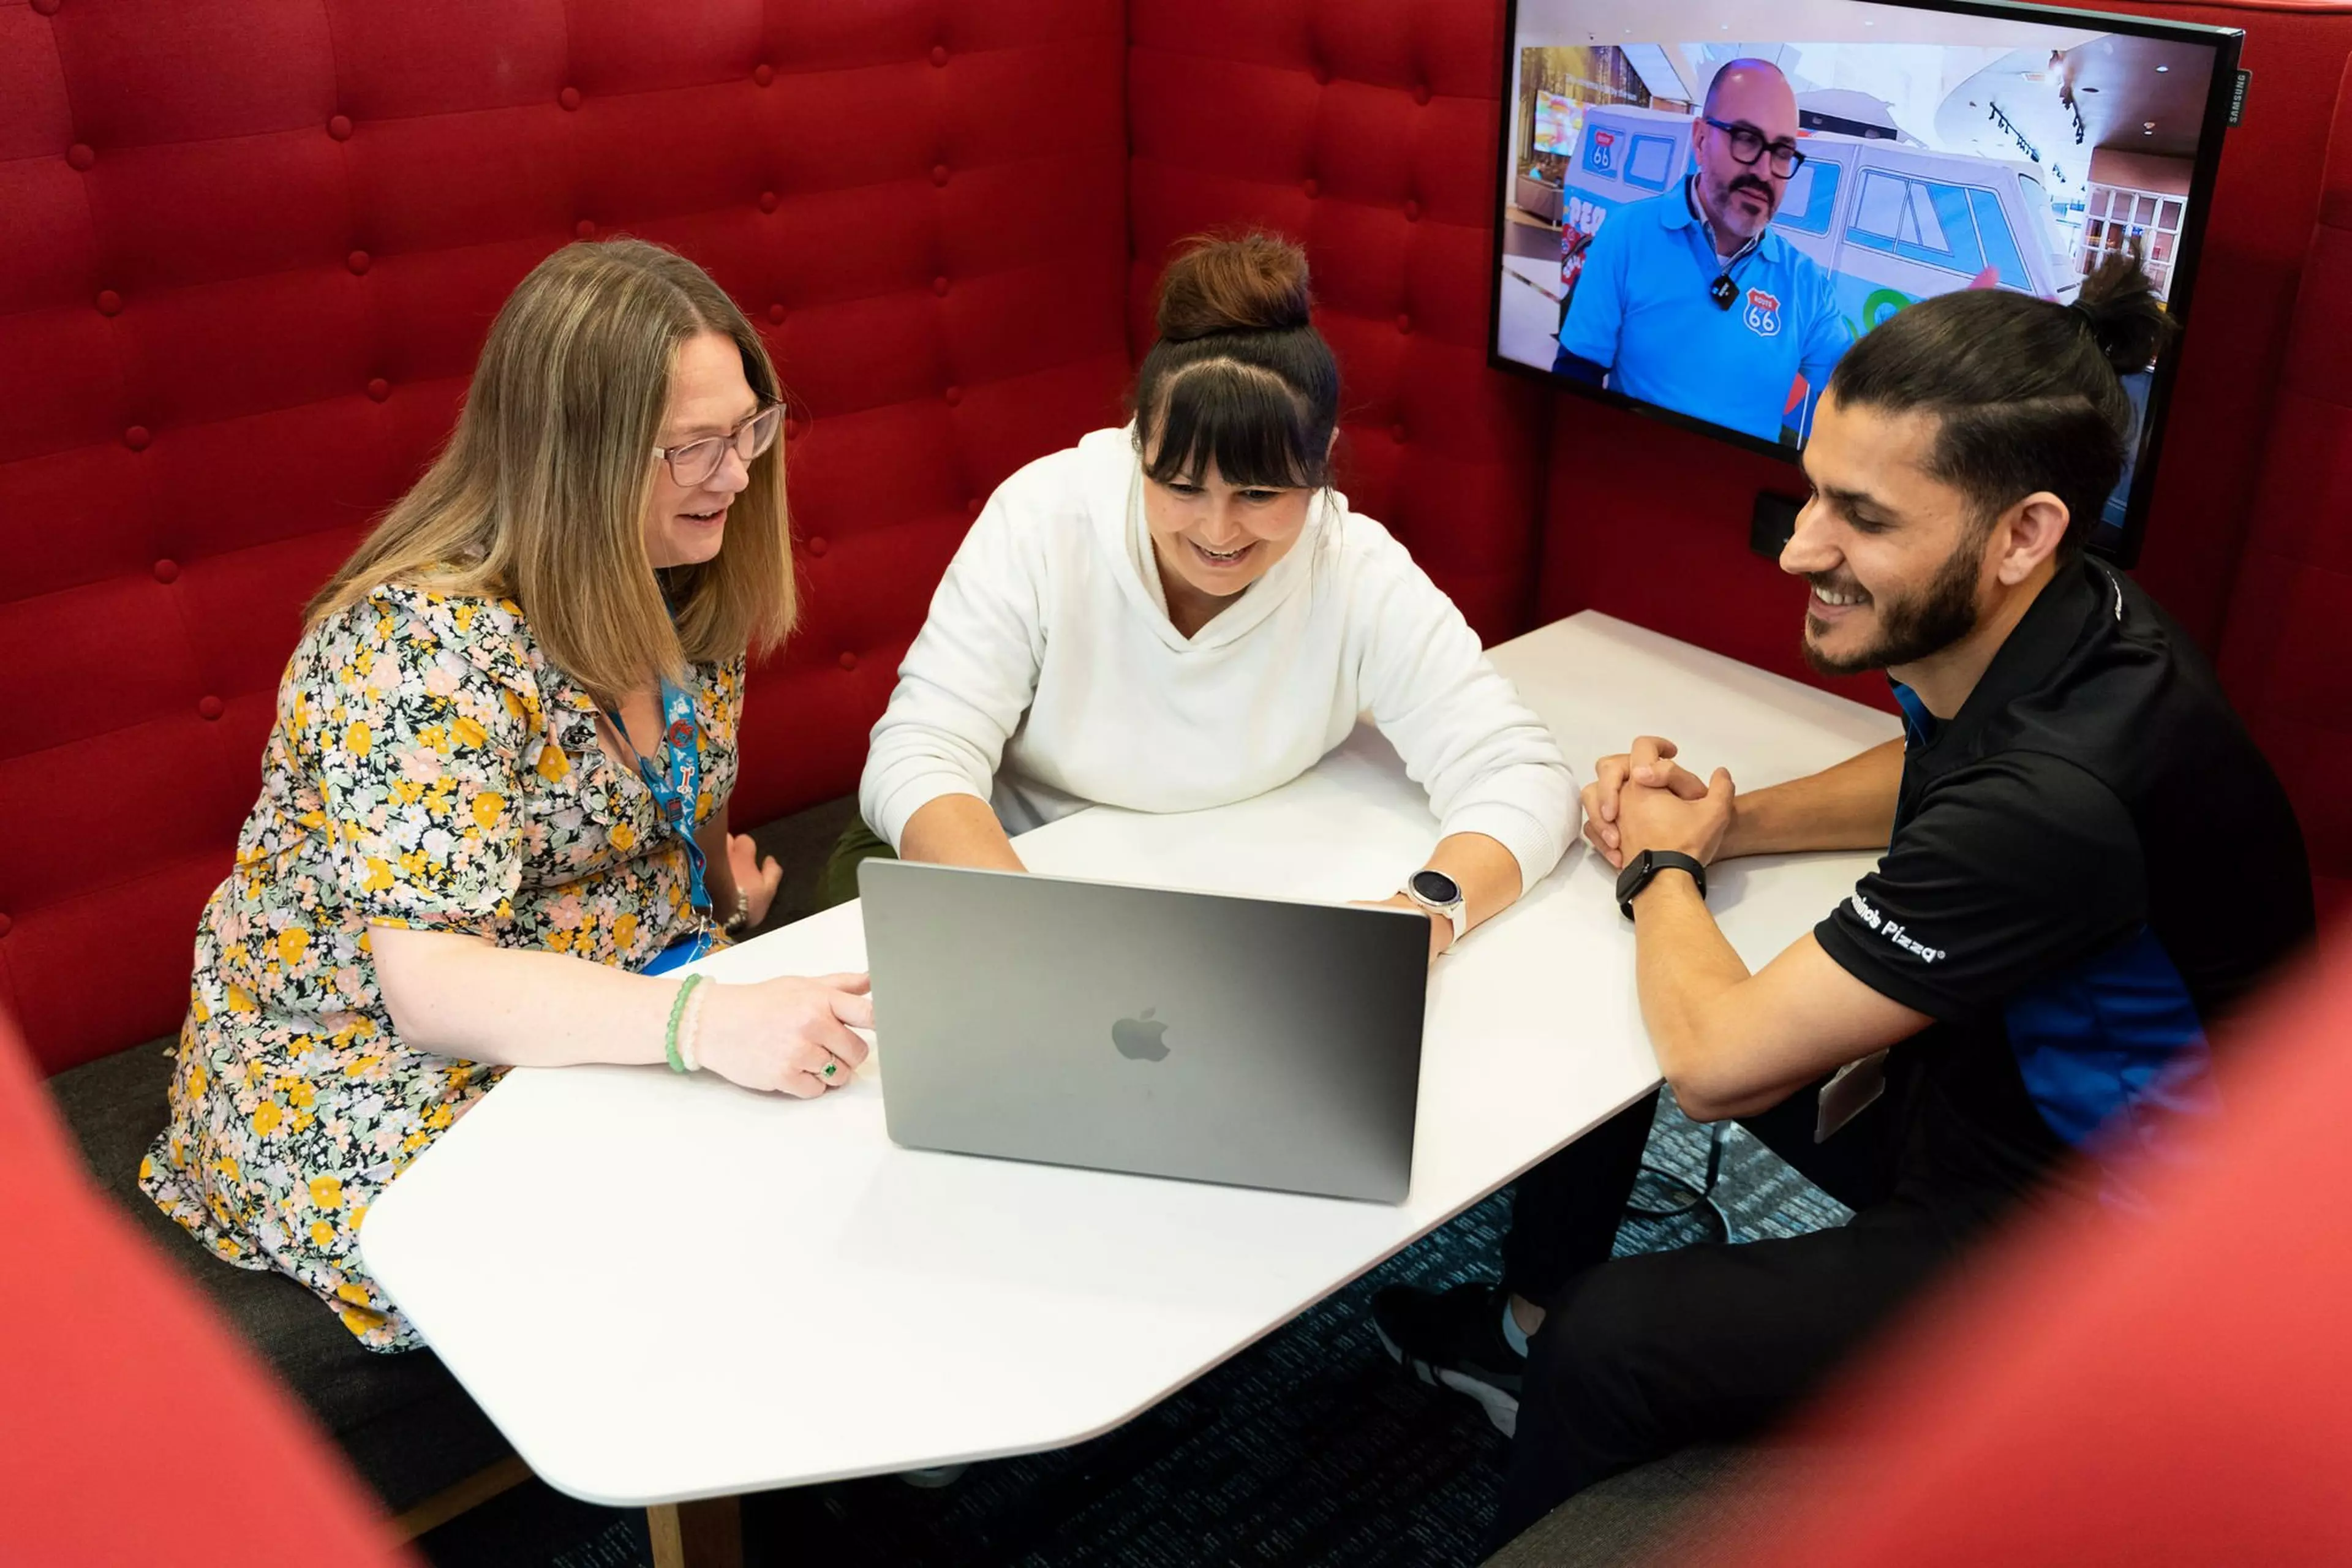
{"x": 1253, "y": 284}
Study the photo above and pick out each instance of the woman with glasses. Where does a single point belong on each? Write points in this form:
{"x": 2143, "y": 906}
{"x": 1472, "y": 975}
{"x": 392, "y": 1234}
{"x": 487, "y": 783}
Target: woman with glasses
{"x": 493, "y": 807}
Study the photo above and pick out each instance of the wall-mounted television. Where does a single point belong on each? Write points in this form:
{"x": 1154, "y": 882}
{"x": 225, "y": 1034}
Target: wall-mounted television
{"x": 1877, "y": 153}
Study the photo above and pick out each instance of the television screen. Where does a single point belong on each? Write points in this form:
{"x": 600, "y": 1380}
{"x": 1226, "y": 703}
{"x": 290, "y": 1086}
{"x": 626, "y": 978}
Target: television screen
{"x": 1705, "y": 203}
{"x": 1558, "y": 119}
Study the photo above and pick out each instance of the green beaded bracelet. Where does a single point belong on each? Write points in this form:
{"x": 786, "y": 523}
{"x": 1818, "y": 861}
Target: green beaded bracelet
{"x": 677, "y": 1011}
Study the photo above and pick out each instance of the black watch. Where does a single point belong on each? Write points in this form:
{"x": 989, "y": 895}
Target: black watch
{"x": 1649, "y": 863}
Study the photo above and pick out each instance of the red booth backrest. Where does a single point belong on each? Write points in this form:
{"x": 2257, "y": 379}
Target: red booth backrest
{"x": 2285, "y": 657}
{"x": 249, "y": 254}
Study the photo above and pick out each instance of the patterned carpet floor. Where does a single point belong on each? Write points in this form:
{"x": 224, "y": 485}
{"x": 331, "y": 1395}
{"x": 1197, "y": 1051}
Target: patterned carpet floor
{"x": 1310, "y": 1448}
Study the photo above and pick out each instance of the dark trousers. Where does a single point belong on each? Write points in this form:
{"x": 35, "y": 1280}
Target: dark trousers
{"x": 1640, "y": 1356}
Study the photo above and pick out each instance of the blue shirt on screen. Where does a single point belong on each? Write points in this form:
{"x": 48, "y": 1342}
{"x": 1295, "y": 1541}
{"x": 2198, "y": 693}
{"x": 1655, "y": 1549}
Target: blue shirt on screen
{"x": 1642, "y": 312}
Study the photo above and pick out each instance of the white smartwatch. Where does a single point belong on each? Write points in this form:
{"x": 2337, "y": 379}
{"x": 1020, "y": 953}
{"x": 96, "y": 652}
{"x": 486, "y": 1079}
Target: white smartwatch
{"x": 1439, "y": 895}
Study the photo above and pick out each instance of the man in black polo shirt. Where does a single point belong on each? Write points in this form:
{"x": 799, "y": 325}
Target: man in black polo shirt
{"x": 2087, "y": 863}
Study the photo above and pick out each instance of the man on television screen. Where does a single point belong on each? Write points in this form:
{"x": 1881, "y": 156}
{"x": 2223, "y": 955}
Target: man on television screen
{"x": 1688, "y": 300}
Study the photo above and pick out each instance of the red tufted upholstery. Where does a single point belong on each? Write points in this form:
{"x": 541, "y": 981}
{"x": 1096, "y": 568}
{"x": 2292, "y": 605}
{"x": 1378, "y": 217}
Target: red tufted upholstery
{"x": 2284, "y": 659}
{"x": 251, "y": 250}
{"x": 249, "y": 257}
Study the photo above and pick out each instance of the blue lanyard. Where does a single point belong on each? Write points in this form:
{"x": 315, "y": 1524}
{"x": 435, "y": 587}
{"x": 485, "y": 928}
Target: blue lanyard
{"x": 678, "y": 785}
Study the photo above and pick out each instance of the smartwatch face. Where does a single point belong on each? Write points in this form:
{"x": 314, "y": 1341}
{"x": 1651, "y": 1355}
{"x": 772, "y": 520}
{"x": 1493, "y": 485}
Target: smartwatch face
{"x": 1435, "y": 888}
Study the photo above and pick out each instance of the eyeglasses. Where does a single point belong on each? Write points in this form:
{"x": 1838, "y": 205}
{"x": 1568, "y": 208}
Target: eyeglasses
{"x": 1747, "y": 145}
{"x": 693, "y": 462}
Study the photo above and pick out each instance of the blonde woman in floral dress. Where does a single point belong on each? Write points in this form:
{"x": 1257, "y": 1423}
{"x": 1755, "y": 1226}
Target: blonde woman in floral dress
{"x": 494, "y": 803}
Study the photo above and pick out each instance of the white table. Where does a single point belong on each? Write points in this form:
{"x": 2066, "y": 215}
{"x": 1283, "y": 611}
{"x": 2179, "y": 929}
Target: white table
{"x": 664, "y": 1289}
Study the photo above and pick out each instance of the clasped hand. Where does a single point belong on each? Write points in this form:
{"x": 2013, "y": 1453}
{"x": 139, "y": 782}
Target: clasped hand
{"x": 1643, "y": 799}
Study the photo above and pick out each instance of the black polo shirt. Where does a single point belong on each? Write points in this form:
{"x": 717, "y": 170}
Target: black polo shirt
{"x": 2090, "y": 861}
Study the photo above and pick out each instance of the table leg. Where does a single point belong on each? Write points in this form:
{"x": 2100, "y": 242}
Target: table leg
{"x": 706, "y": 1534}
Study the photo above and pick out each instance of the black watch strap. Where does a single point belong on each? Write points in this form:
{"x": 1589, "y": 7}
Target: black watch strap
{"x": 1649, "y": 863}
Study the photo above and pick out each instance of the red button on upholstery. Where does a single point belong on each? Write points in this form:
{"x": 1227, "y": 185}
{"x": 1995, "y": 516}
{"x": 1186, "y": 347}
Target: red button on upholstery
{"x": 792, "y": 426}
{"x": 939, "y": 287}
{"x": 972, "y": 505}
{"x": 167, "y": 571}
{"x": 819, "y": 545}
{"x": 339, "y": 127}
{"x": 849, "y": 661}
{"x": 954, "y": 395}
{"x": 569, "y": 97}
{"x": 584, "y": 230}
{"x": 775, "y": 315}
{"x": 1322, "y": 74}
{"x": 1412, "y": 211}
{"x": 47, "y": 8}
{"x": 1313, "y": 189}
{"x": 1420, "y": 93}
{"x": 6, "y": 923}
{"x": 763, "y": 75}
{"x": 939, "y": 173}
{"x": 1404, "y": 322}
{"x": 80, "y": 156}
{"x": 768, "y": 202}
{"x": 938, "y": 54}
{"x": 1396, "y": 433}
{"x": 379, "y": 388}
{"x": 110, "y": 303}
{"x": 137, "y": 437}
{"x": 210, "y": 706}
{"x": 359, "y": 262}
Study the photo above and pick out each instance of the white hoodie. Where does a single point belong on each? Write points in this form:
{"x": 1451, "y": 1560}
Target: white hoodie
{"x": 1049, "y": 676}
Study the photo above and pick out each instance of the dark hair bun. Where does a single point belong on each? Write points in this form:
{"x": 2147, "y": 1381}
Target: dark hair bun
{"x": 2119, "y": 303}
{"x": 1253, "y": 284}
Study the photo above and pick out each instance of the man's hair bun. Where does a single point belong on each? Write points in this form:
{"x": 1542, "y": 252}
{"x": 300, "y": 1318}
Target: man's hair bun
{"x": 1254, "y": 283}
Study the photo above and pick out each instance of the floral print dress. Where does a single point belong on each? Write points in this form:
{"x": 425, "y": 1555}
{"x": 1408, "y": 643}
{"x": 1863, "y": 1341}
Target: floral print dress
{"x": 428, "y": 768}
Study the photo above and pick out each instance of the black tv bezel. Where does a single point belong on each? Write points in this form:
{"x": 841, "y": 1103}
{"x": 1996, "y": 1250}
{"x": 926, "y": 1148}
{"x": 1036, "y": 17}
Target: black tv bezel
{"x": 2227, "y": 44}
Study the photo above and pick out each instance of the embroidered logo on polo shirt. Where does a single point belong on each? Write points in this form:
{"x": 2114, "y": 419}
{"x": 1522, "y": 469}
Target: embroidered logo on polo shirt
{"x": 1763, "y": 317}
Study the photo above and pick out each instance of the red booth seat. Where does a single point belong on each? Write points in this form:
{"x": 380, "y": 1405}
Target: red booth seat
{"x": 108, "y": 1356}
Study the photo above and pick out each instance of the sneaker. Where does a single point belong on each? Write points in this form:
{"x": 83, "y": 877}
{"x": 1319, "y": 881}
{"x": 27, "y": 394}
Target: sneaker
{"x": 1453, "y": 1339}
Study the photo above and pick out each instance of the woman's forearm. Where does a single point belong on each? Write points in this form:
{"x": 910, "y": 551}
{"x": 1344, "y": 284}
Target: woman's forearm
{"x": 1486, "y": 872}
{"x": 1849, "y": 806}
{"x": 959, "y": 830}
{"x": 462, "y": 997}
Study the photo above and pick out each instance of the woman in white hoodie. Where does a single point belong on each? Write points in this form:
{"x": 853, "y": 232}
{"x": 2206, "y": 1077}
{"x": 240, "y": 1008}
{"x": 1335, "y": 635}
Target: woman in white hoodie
{"x": 1184, "y": 613}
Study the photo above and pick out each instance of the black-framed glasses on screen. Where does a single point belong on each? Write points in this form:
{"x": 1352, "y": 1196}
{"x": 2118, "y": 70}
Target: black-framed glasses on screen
{"x": 692, "y": 462}
{"x": 1747, "y": 145}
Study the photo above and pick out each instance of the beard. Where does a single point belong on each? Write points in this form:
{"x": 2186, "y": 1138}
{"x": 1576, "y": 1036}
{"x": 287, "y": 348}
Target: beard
{"x": 1919, "y": 627}
{"x": 1727, "y": 217}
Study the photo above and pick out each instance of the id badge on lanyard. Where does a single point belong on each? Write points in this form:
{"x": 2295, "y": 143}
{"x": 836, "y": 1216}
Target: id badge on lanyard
{"x": 676, "y": 788}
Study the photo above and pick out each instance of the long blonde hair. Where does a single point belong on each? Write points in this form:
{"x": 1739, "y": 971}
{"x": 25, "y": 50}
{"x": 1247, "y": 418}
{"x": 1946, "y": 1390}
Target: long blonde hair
{"x": 541, "y": 492}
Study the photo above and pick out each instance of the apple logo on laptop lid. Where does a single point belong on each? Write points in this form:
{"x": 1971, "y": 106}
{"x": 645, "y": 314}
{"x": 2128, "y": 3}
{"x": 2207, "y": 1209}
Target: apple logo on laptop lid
{"x": 1141, "y": 1039}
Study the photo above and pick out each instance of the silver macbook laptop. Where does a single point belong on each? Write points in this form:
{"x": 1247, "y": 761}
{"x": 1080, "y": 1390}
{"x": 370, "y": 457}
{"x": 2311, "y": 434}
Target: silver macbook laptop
{"x": 1256, "y": 1041}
